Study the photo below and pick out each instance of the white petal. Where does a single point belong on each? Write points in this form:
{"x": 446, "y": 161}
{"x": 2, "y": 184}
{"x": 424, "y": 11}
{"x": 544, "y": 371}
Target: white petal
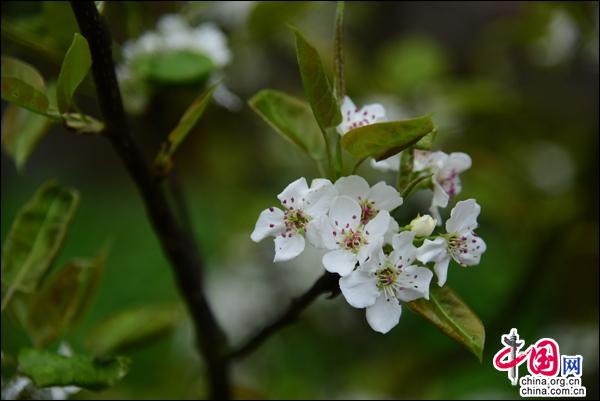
{"x": 435, "y": 213}
{"x": 359, "y": 288}
{"x": 372, "y": 113}
{"x": 288, "y": 246}
{"x": 269, "y": 223}
{"x": 392, "y": 230}
{"x": 320, "y": 233}
{"x": 458, "y": 162}
{"x": 374, "y": 246}
{"x": 377, "y": 227}
{"x": 475, "y": 247}
{"x": 348, "y": 111}
{"x": 415, "y": 282}
{"x": 353, "y": 186}
{"x": 341, "y": 262}
{"x": 318, "y": 198}
{"x": 344, "y": 213}
{"x": 440, "y": 197}
{"x": 441, "y": 269}
{"x": 392, "y": 163}
{"x": 384, "y": 197}
{"x": 432, "y": 251}
{"x": 404, "y": 251}
{"x": 348, "y": 106}
{"x": 384, "y": 314}
{"x": 463, "y": 217}
{"x": 292, "y": 195}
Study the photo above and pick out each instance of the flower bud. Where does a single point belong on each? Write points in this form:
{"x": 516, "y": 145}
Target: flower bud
{"x": 423, "y": 225}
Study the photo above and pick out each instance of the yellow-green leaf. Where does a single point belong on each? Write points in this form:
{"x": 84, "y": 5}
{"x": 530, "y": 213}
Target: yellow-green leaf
{"x": 292, "y": 119}
{"x": 23, "y": 85}
{"x": 452, "y": 316}
{"x": 382, "y": 140}
{"x": 75, "y": 66}
{"x": 35, "y": 238}
{"x": 317, "y": 87}
{"x": 21, "y": 132}
{"x": 62, "y": 300}
{"x": 164, "y": 158}
{"x": 132, "y": 327}
{"x": 48, "y": 369}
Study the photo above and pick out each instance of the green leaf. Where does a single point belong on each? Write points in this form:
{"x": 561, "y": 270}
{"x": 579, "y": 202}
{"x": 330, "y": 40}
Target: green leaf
{"x": 451, "y": 315}
{"x": 317, "y": 88}
{"x": 292, "y": 119}
{"x": 164, "y": 158}
{"x": 176, "y": 67}
{"x": 62, "y": 300}
{"x": 426, "y": 142}
{"x": 48, "y": 369}
{"x": 266, "y": 18}
{"x": 23, "y": 85}
{"x": 75, "y": 66}
{"x": 382, "y": 140}
{"x": 35, "y": 238}
{"x": 21, "y": 132}
{"x": 131, "y": 328}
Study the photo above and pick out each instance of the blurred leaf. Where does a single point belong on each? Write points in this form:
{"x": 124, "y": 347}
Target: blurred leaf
{"x": 267, "y": 17}
{"x": 63, "y": 299}
{"x": 164, "y": 159}
{"x": 132, "y": 327}
{"x": 426, "y": 142}
{"x": 59, "y": 23}
{"x": 176, "y": 67}
{"x": 317, "y": 88}
{"x": 23, "y": 85}
{"x": 21, "y": 132}
{"x": 35, "y": 238}
{"x": 82, "y": 124}
{"x": 382, "y": 140}
{"x": 451, "y": 315}
{"x": 75, "y": 67}
{"x": 338, "y": 60}
{"x": 48, "y": 369}
{"x": 291, "y": 118}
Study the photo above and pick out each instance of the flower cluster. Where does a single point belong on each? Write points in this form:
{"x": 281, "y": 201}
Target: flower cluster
{"x": 380, "y": 262}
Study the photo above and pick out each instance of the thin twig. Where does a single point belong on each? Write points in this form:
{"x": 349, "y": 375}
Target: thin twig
{"x": 177, "y": 245}
{"x": 327, "y": 283}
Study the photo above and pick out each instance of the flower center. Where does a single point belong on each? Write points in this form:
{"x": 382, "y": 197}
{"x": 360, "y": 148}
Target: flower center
{"x": 387, "y": 281}
{"x": 368, "y": 211}
{"x": 457, "y": 245}
{"x": 352, "y": 240}
{"x": 295, "y": 220}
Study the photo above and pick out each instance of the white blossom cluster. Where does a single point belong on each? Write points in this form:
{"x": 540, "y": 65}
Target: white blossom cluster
{"x": 380, "y": 262}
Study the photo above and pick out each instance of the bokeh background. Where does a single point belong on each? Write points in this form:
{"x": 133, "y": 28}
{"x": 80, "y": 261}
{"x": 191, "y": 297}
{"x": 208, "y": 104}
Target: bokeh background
{"x": 515, "y": 85}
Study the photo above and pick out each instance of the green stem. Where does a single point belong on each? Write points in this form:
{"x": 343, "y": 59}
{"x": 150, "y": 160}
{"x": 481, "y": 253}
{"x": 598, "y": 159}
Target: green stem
{"x": 411, "y": 186}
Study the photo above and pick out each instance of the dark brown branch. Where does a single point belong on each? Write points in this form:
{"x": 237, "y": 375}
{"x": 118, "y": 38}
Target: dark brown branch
{"x": 327, "y": 283}
{"x": 177, "y": 245}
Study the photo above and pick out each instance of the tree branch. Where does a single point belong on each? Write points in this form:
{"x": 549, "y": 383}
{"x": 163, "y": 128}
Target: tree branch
{"x": 177, "y": 245}
{"x": 328, "y": 282}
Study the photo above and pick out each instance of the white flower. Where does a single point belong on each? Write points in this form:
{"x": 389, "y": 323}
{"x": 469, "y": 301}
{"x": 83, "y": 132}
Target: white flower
{"x": 392, "y": 163}
{"x": 370, "y": 199}
{"x": 460, "y": 243}
{"x": 384, "y": 280}
{"x": 348, "y": 240}
{"x": 353, "y": 117}
{"x": 301, "y": 208}
{"x": 422, "y": 226}
{"x": 445, "y": 170}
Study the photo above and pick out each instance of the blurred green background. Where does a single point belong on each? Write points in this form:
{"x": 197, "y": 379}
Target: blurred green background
{"x": 515, "y": 85}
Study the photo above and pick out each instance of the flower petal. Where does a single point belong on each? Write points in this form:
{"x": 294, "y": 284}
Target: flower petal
{"x": 384, "y": 197}
{"x": 404, "y": 251}
{"x": 432, "y": 251}
{"x": 440, "y": 197}
{"x": 288, "y": 246}
{"x": 392, "y": 230}
{"x": 344, "y": 213}
{"x": 441, "y": 269}
{"x": 384, "y": 314}
{"x": 348, "y": 111}
{"x": 392, "y": 163}
{"x": 458, "y": 162}
{"x": 353, "y": 186}
{"x": 377, "y": 227}
{"x": 415, "y": 282}
{"x": 359, "y": 288}
{"x": 318, "y": 198}
{"x": 475, "y": 247}
{"x": 292, "y": 195}
{"x": 269, "y": 223}
{"x": 320, "y": 233}
{"x": 463, "y": 217}
{"x": 340, "y": 261}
